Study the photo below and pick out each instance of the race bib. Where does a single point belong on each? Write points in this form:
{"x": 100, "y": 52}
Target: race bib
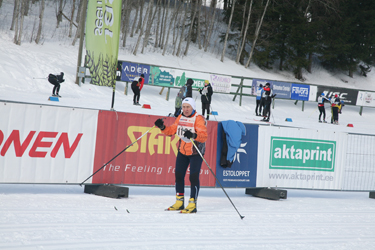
{"x": 185, "y": 123}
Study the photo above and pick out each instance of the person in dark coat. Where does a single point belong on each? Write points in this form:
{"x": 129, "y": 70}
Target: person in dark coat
{"x": 136, "y": 88}
{"x": 268, "y": 95}
{"x": 56, "y": 80}
{"x": 206, "y": 95}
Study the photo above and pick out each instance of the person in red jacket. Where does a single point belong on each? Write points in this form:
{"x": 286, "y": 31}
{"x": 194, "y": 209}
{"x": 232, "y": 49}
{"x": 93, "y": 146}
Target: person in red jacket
{"x": 188, "y": 125}
{"x": 136, "y": 88}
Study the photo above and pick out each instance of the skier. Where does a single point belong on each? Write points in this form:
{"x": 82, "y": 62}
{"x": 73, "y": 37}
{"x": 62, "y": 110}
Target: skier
{"x": 335, "y": 102}
{"x": 136, "y": 88}
{"x": 206, "y": 94}
{"x": 322, "y": 110}
{"x": 56, "y": 80}
{"x": 258, "y": 100}
{"x": 185, "y": 91}
{"x": 188, "y": 125}
{"x": 267, "y": 102}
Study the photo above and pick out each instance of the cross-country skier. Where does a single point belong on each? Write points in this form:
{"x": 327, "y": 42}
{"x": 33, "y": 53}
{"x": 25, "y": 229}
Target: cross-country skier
{"x": 136, "y": 88}
{"x": 258, "y": 100}
{"x": 188, "y": 125}
{"x": 267, "y": 102}
{"x": 322, "y": 110}
{"x": 56, "y": 80}
{"x": 335, "y": 102}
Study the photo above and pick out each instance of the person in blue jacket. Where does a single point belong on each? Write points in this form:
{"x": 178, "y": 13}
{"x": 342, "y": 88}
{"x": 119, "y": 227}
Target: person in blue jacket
{"x": 258, "y": 101}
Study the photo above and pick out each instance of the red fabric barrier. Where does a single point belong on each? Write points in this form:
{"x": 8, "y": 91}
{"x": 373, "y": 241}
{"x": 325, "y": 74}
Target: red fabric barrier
{"x": 151, "y": 160}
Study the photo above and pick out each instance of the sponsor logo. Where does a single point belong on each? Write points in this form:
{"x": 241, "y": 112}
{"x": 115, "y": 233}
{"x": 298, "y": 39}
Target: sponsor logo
{"x": 154, "y": 143}
{"x": 302, "y": 154}
{"x": 330, "y": 94}
{"x": 43, "y": 141}
{"x": 240, "y": 150}
{"x": 300, "y": 91}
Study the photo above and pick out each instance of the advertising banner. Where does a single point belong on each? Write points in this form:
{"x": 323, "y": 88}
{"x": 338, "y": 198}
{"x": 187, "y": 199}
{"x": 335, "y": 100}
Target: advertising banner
{"x": 300, "y": 92}
{"x": 366, "y": 99}
{"x": 300, "y": 158}
{"x": 281, "y": 89}
{"x": 349, "y": 96}
{"x": 149, "y": 161}
{"x": 132, "y": 71}
{"x": 161, "y": 76}
{"x": 243, "y": 171}
{"x": 312, "y": 93}
{"x": 44, "y": 144}
{"x": 102, "y": 40}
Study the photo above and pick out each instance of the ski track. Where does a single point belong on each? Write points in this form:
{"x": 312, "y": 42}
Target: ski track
{"x": 70, "y": 220}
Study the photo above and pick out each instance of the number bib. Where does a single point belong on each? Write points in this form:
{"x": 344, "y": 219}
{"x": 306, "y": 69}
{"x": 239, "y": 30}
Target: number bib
{"x": 185, "y": 123}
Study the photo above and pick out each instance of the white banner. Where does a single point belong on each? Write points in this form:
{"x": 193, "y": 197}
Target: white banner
{"x": 300, "y": 158}
{"x": 44, "y": 144}
{"x": 366, "y": 99}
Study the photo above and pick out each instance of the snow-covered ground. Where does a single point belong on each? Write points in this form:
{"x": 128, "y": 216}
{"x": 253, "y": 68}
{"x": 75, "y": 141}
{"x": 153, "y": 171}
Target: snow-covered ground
{"x": 64, "y": 217}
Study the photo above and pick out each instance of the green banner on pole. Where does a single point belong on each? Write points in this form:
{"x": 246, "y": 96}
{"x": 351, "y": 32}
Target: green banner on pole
{"x": 102, "y": 40}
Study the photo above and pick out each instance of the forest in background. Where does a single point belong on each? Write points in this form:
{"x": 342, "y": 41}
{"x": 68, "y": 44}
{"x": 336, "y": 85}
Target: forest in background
{"x": 290, "y": 35}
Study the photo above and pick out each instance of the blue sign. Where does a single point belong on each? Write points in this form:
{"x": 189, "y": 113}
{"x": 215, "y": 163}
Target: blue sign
{"x": 132, "y": 71}
{"x": 281, "y": 89}
{"x": 243, "y": 171}
{"x": 300, "y": 92}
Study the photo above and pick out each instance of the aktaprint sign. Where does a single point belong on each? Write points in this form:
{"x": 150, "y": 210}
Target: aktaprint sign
{"x": 302, "y": 154}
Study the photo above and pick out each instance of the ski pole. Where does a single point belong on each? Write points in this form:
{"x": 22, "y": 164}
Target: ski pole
{"x": 212, "y": 172}
{"x": 40, "y": 78}
{"x": 117, "y": 155}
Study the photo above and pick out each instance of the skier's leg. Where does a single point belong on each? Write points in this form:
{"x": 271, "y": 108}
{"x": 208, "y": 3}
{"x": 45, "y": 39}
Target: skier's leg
{"x": 182, "y": 163}
{"x": 195, "y": 168}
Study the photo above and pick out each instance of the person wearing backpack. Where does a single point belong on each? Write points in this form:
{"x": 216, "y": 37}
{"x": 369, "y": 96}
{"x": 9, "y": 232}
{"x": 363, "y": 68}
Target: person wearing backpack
{"x": 185, "y": 91}
{"x": 56, "y": 80}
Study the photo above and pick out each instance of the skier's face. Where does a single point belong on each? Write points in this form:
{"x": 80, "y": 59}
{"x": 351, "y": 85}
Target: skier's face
{"x": 187, "y": 109}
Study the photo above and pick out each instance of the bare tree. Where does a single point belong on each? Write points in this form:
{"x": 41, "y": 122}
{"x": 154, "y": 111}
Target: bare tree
{"x": 226, "y": 35}
{"x": 150, "y": 19}
{"x": 256, "y": 35}
{"x": 79, "y": 11}
{"x": 158, "y": 7}
{"x": 19, "y": 37}
{"x": 162, "y": 38}
{"x": 135, "y": 18}
{"x": 142, "y": 4}
{"x": 244, "y": 34}
{"x": 140, "y": 33}
{"x": 15, "y": 14}
{"x": 41, "y": 14}
{"x": 83, "y": 12}
{"x": 71, "y": 18}
{"x": 191, "y": 28}
{"x": 127, "y": 8}
{"x": 182, "y": 33}
{"x": 199, "y": 24}
{"x": 211, "y": 27}
{"x": 174, "y": 17}
{"x": 59, "y": 13}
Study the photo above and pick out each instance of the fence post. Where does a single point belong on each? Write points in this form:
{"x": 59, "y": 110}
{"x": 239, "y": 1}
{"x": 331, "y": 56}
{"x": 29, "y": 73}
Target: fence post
{"x": 167, "y": 97}
{"x": 360, "y": 110}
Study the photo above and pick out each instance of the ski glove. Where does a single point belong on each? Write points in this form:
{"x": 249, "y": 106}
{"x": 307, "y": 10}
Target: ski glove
{"x": 188, "y": 134}
{"x": 273, "y": 96}
{"x": 160, "y": 124}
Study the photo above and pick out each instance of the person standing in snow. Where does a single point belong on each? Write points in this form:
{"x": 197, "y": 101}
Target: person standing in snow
{"x": 206, "y": 94}
{"x": 258, "y": 101}
{"x": 136, "y": 88}
{"x": 335, "y": 102}
{"x": 188, "y": 125}
{"x": 267, "y": 102}
{"x": 322, "y": 110}
{"x": 56, "y": 80}
{"x": 185, "y": 91}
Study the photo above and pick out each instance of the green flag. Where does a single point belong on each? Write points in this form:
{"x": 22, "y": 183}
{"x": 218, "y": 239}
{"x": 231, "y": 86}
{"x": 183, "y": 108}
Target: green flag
{"x": 102, "y": 40}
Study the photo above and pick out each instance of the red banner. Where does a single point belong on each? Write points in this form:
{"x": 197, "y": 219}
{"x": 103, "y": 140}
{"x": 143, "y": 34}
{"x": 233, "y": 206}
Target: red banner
{"x": 149, "y": 161}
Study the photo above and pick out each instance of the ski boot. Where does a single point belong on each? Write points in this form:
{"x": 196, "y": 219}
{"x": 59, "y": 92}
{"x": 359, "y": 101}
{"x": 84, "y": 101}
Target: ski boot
{"x": 191, "y": 208}
{"x": 179, "y": 205}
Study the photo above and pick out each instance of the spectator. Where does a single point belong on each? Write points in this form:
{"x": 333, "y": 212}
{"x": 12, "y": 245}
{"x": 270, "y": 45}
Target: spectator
{"x": 185, "y": 91}
{"x": 322, "y": 110}
{"x": 268, "y": 95}
{"x": 206, "y": 94}
{"x": 258, "y": 101}
{"x": 335, "y": 102}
